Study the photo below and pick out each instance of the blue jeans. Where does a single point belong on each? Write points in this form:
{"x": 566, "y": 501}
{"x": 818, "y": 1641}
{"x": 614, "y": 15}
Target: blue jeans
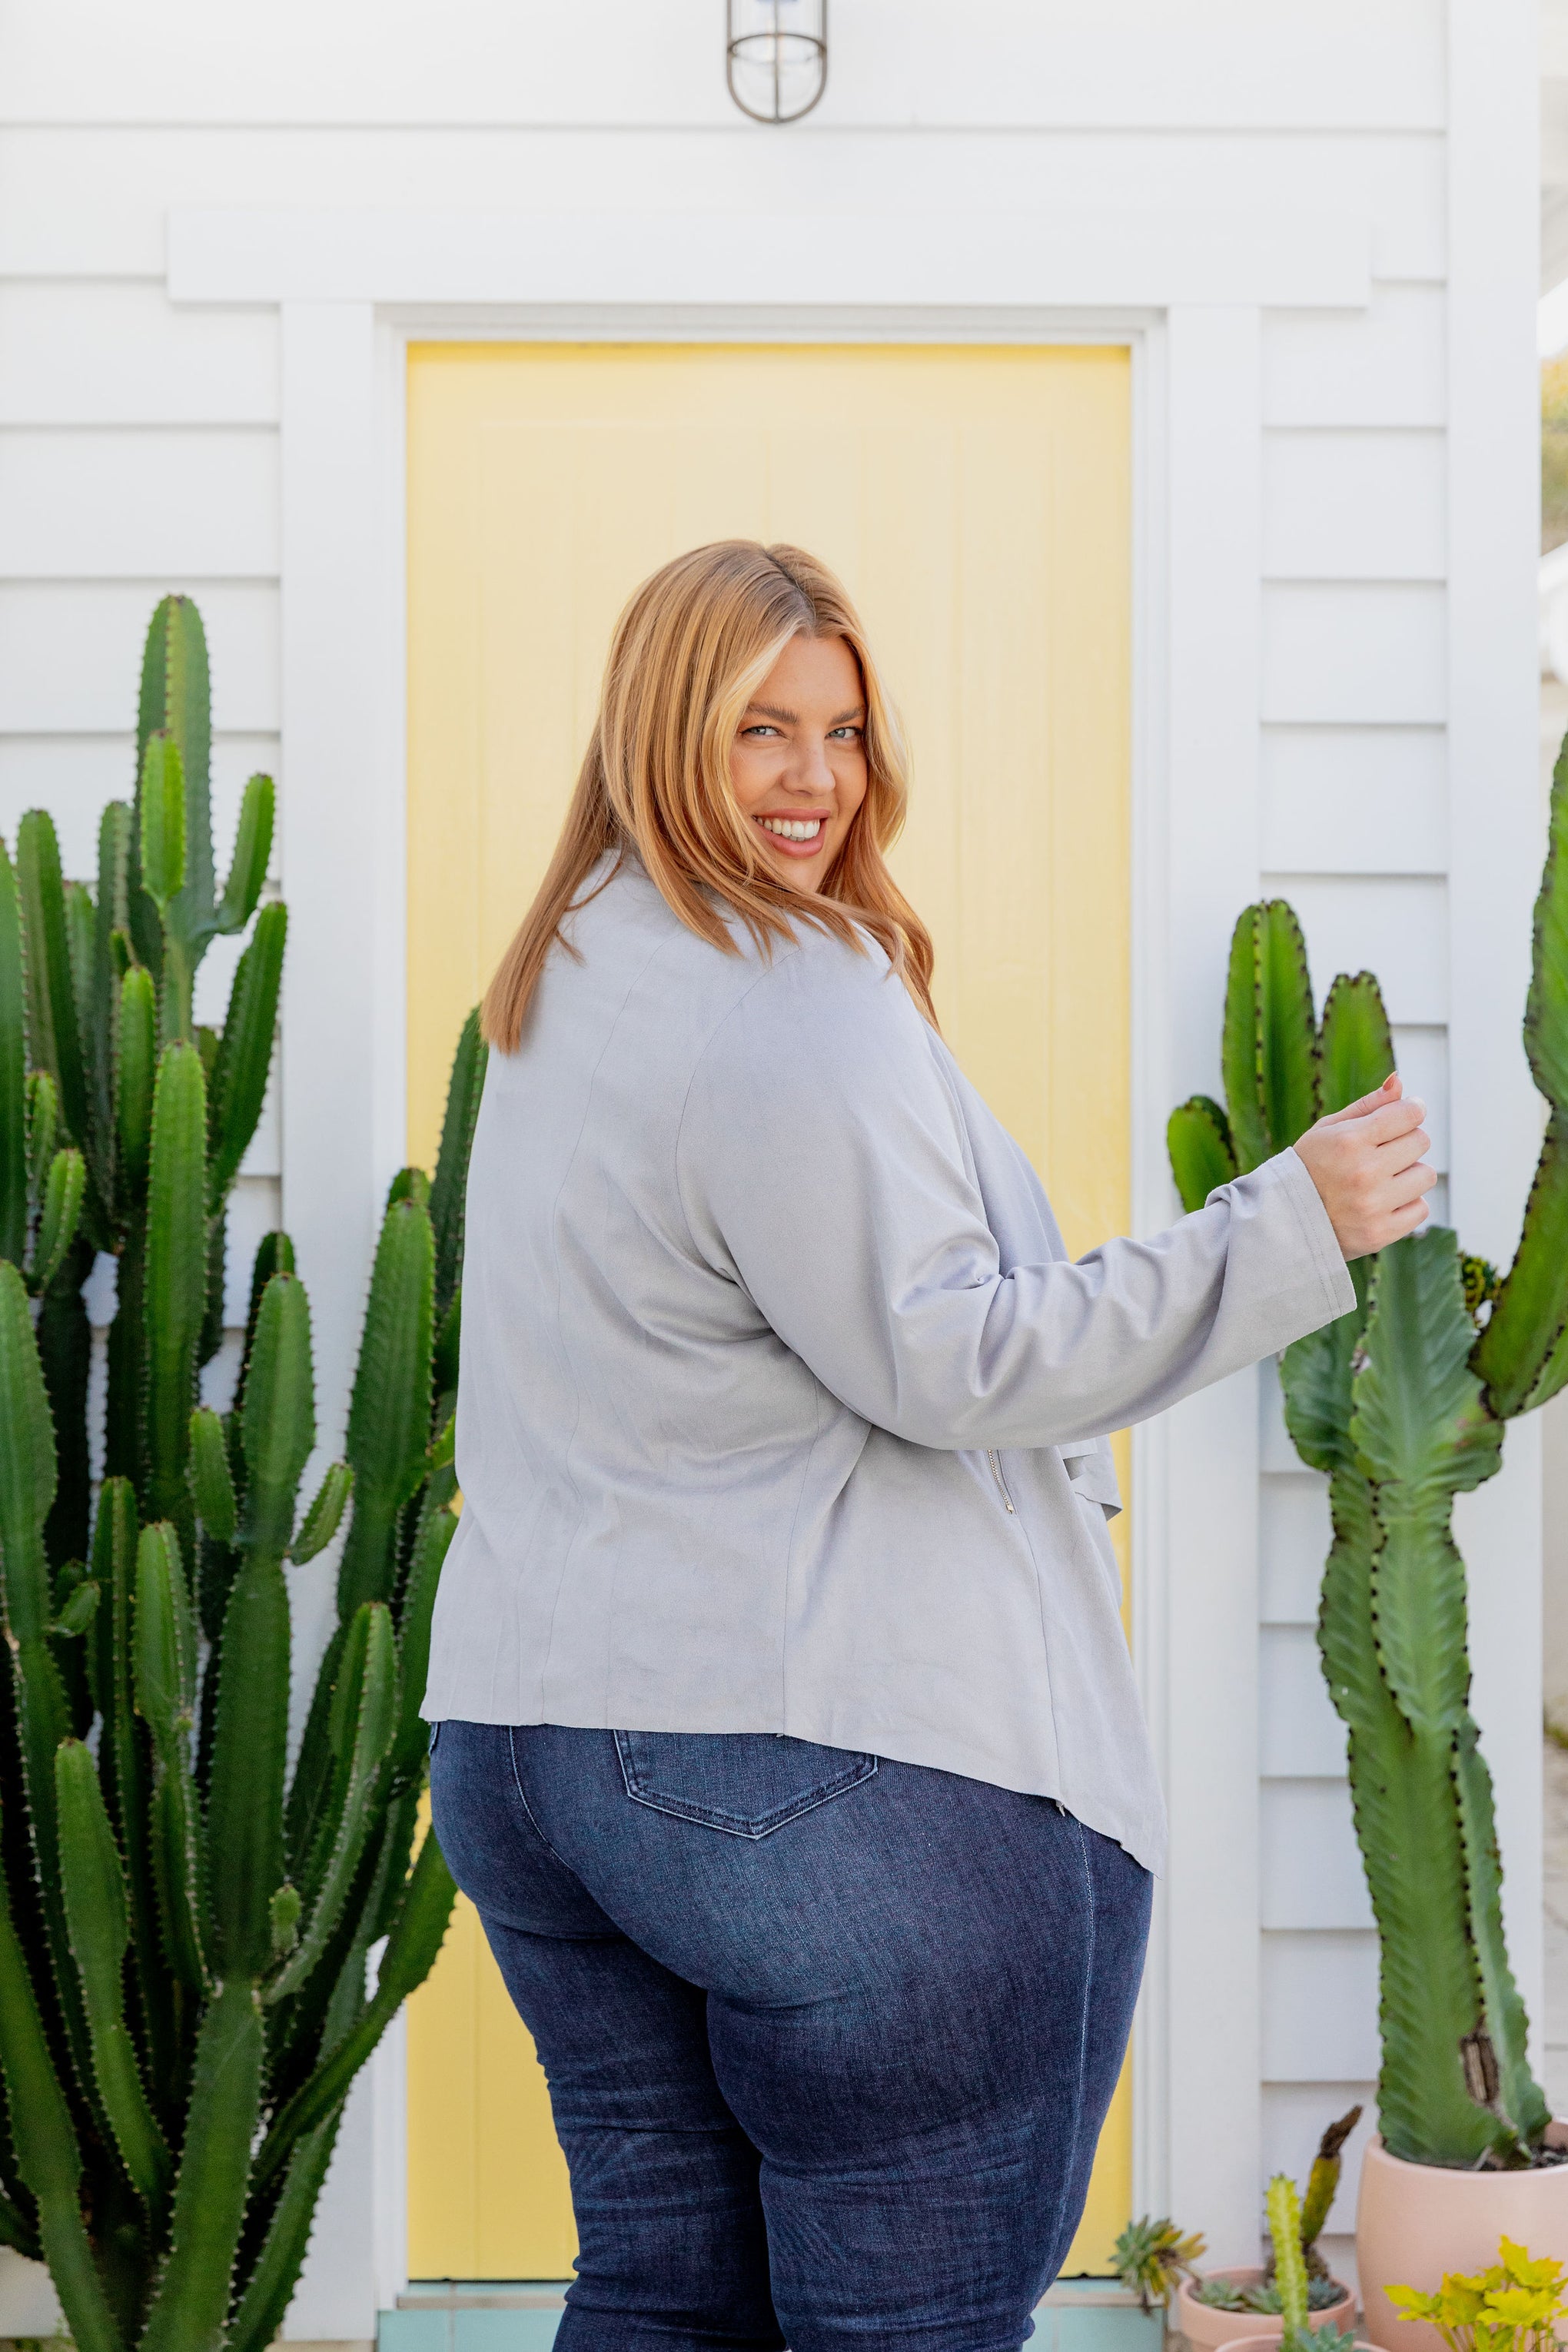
{"x": 830, "y": 2040}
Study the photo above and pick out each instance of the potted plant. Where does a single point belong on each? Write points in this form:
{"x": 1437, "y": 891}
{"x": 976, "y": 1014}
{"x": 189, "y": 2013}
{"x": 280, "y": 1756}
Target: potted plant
{"x": 1230, "y": 2305}
{"x": 1152, "y": 2257}
{"x": 185, "y": 1927}
{"x": 1299, "y": 2331}
{"x": 1402, "y": 1404}
{"x": 1513, "y": 2305}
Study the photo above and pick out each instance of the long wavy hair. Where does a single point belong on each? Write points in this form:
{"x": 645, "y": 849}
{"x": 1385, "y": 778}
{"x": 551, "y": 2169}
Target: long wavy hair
{"x": 687, "y": 653}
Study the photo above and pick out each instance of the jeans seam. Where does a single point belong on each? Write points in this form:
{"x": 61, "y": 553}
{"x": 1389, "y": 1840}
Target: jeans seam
{"x": 1088, "y": 1986}
{"x": 523, "y": 1800}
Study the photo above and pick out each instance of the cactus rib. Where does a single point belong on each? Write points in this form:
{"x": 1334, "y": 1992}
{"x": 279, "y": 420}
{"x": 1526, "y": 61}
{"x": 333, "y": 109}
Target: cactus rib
{"x": 99, "y": 1933}
{"x": 267, "y": 2293}
{"x": 12, "y": 1072}
{"x": 54, "y": 1040}
{"x": 189, "y": 2312}
{"x": 449, "y": 1186}
{"x": 368, "y": 1716}
{"x": 165, "y": 1678}
{"x": 389, "y": 1417}
{"x": 47, "y": 2155}
{"x": 245, "y": 1056}
{"x": 176, "y": 1272}
{"x": 245, "y": 1801}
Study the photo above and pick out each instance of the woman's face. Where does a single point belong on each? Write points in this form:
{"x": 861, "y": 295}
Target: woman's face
{"x": 798, "y": 764}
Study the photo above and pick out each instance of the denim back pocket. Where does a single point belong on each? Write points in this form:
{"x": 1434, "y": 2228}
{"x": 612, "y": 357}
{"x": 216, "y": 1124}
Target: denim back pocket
{"x": 746, "y": 1783}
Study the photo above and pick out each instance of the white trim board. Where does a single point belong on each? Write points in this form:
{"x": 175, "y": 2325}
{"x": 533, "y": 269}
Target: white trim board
{"x": 1089, "y": 260}
{"x": 353, "y": 292}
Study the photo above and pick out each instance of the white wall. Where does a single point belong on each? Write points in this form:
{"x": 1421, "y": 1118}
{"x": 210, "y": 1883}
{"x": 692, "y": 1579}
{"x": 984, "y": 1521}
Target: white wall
{"x": 139, "y": 452}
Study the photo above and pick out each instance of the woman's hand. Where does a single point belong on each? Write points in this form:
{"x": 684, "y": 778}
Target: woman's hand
{"x": 1368, "y": 1164}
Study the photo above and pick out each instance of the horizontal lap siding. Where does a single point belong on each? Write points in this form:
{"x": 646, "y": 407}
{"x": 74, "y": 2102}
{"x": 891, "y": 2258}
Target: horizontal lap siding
{"x": 129, "y": 466}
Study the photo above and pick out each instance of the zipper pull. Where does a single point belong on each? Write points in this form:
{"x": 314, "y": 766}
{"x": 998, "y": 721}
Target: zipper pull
{"x": 995, "y": 1461}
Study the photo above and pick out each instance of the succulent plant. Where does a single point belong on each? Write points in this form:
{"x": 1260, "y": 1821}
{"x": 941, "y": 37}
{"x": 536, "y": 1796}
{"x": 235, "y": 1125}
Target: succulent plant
{"x": 1402, "y": 1402}
{"x": 1323, "y": 2182}
{"x": 184, "y": 1927}
{"x": 1152, "y": 2256}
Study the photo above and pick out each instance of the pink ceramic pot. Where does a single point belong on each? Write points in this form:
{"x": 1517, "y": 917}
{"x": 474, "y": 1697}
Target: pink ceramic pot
{"x": 1413, "y": 2221}
{"x": 1267, "y": 2343}
{"x": 1205, "y": 2327}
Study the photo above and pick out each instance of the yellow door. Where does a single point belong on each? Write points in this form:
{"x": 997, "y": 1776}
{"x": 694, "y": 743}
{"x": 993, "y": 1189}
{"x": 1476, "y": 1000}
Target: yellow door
{"x": 976, "y": 501}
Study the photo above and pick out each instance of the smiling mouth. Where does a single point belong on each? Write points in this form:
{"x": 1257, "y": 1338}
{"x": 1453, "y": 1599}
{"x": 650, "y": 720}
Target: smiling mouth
{"x": 802, "y": 836}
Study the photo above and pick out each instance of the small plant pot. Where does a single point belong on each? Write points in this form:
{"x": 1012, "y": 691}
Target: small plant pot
{"x": 1206, "y": 2327}
{"x": 1413, "y": 2221}
{"x": 1265, "y": 2342}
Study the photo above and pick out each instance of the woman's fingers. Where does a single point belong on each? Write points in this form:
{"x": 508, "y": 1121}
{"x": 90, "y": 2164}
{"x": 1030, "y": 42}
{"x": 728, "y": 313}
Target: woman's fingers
{"x": 1390, "y": 1091}
{"x": 1369, "y": 1164}
{"x": 1405, "y": 1150}
{"x": 1388, "y": 1122}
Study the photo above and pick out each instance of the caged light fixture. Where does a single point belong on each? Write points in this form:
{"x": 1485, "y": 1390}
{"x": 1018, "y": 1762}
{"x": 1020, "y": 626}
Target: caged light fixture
{"x": 775, "y": 57}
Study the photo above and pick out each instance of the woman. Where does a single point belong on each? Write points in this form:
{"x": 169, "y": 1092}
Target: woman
{"x": 784, "y": 1734}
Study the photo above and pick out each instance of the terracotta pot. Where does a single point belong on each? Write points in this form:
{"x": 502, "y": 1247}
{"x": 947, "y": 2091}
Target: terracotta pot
{"x": 1413, "y": 2221}
{"x": 1205, "y": 2326}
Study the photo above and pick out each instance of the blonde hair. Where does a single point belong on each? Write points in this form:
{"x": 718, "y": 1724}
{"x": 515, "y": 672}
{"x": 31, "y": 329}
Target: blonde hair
{"x": 687, "y": 653}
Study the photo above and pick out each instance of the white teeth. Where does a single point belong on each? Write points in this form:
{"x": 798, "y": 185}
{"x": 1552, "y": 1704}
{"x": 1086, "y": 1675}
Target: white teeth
{"x": 793, "y": 828}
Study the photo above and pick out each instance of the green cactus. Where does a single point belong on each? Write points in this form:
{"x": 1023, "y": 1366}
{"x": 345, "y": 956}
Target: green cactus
{"x": 1402, "y": 1403}
{"x": 1323, "y": 2182}
{"x": 184, "y": 1928}
{"x": 1284, "y": 2207}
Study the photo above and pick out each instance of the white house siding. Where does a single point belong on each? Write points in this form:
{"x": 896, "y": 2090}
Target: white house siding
{"x": 139, "y": 453}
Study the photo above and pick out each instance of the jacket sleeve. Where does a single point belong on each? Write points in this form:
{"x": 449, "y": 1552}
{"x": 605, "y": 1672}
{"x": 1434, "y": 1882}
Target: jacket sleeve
{"x": 823, "y": 1166}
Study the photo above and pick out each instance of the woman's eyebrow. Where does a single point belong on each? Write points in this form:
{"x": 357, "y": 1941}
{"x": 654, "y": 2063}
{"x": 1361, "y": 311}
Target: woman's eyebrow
{"x": 792, "y": 718}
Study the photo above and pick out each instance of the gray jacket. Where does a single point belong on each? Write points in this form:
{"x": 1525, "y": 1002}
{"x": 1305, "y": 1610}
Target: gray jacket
{"x": 781, "y": 1407}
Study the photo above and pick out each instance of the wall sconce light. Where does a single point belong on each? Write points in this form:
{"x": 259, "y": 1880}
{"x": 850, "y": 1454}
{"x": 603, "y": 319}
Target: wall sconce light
{"x": 775, "y": 57}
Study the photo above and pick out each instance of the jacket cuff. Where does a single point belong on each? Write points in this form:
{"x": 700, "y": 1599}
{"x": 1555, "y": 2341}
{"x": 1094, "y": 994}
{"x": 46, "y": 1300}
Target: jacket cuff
{"x": 1291, "y": 1173}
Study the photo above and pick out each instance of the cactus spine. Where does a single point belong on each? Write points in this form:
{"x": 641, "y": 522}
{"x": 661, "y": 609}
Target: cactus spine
{"x": 184, "y": 1935}
{"x": 1401, "y": 1405}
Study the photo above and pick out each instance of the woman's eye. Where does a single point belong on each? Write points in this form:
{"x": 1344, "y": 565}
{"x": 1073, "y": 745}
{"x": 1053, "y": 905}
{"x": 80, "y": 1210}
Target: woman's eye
{"x": 844, "y": 734}
{"x": 760, "y": 729}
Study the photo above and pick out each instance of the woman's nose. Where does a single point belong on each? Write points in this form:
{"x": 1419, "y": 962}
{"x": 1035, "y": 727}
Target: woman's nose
{"x": 813, "y": 772}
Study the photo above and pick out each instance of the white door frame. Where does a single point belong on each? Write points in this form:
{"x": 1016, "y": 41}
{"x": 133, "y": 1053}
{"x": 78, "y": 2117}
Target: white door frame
{"x": 1185, "y": 293}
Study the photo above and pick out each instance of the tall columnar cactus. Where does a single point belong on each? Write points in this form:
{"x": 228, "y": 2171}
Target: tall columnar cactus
{"x": 1402, "y": 1403}
{"x": 184, "y": 1931}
